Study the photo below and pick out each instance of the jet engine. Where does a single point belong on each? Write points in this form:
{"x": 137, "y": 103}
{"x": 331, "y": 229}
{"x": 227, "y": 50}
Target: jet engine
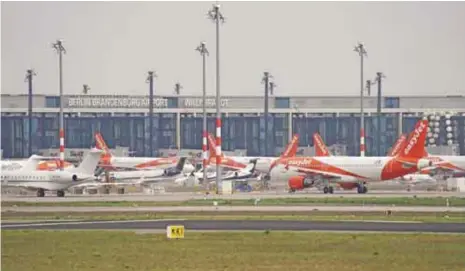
{"x": 424, "y": 163}
{"x": 74, "y": 177}
{"x": 299, "y": 183}
{"x": 170, "y": 172}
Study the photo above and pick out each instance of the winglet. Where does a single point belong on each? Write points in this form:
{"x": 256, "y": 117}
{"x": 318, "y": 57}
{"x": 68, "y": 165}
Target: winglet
{"x": 251, "y": 166}
{"x": 398, "y": 145}
{"x": 320, "y": 146}
{"x": 415, "y": 145}
{"x": 181, "y": 163}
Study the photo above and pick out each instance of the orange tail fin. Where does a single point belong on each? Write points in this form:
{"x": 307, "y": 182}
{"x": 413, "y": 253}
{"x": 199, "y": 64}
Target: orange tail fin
{"x": 101, "y": 145}
{"x": 320, "y": 147}
{"x": 415, "y": 145}
{"x": 400, "y": 144}
{"x": 212, "y": 146}
{"x": 291, "y": 148}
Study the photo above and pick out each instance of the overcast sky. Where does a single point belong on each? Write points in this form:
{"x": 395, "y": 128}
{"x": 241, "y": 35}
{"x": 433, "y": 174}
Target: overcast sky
{"x": 307, "y": 46}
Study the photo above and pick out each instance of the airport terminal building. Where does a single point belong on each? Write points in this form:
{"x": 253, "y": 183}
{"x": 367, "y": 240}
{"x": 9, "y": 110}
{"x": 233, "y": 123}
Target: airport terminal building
{"x": 177, "y": 122}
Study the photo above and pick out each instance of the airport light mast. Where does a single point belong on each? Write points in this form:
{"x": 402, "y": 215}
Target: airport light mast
{"x": 266, "y": 80}
{"x": 29, "y": 74}
{"x": 85, "y": 89}
{"x": 177, "y": 88}
{"x": 204, "y": 52}
{"x": 150, "y": 76}
{"x": 58, "y": 46}
{"x": 215, "y": 15}
{"x": 379, "y": 78}
{"x": 360, "y": 49}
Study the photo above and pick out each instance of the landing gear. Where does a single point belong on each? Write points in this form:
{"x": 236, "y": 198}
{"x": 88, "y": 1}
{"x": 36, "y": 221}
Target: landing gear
{"x": 60, "y": 193}
{"x": 329, "y": 190}
{"x": 291, "y": 191}
{"x": 40, "y": 193}
{"x": 362, "y": 189}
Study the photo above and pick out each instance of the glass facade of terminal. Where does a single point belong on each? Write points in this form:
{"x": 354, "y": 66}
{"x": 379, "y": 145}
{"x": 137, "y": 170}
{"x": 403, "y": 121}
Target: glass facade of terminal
{"x": 239, "y": 131}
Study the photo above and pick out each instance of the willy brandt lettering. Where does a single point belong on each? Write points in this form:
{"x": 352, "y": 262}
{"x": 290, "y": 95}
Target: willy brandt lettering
{"x": 198, "y": 102}
{"x": 115, "y": 102}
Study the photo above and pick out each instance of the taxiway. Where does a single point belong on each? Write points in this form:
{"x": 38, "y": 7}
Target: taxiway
{"x": 242, "y": 225}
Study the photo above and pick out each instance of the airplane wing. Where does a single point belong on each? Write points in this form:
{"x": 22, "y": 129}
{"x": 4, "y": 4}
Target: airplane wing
{"x": 319, "y": 174}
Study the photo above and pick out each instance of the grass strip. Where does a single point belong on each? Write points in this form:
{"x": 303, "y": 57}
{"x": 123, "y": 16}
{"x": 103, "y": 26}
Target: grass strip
{"x": 115, "y": 251}
{"x": 397, "y": 201}
{"x": 241, "y": 215}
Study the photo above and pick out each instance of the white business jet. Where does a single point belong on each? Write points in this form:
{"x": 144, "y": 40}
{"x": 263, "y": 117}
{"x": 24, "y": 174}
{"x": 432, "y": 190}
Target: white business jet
{"x": 141, "y": 177}
{"x": 236, "y": 175}
{"x": 31, "y": 178}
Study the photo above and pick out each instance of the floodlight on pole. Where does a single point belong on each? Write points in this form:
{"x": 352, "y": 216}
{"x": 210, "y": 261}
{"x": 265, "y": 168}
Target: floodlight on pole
{"x": 58, "y": 46}
{"x": 29, "y": 74}
{"x": 149, "y": 80}
{"x": 379, "y": 77}
{"x": 215, "y": 15}
{"x": 360, "y": 49}
{"x": 85, "y": 89}
{"x": 177, "y": 88}
{"x": 202, "y": 49}
{"x": 266, "y": 80}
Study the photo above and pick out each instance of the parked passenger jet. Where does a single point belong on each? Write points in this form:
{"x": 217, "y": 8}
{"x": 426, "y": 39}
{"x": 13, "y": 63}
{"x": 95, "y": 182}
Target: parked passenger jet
{"x": 357, "y": 170}
{"x": 108, "y": 161}
{"x": 30, "y": 178}
{"x": 410, "y": 179}
{"x": 444, "y": 165}
{"x": 263, "y": 164}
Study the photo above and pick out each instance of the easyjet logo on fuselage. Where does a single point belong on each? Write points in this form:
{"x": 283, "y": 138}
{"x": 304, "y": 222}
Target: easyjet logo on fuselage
{"x": 304, "y": 162}
{"x": 416, "y": 134}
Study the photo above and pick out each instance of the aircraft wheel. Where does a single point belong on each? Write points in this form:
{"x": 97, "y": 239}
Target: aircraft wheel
{"x": 40, "y": 193}
{"x": 365, "y": 190}
{"x": 60, "y": 193}
{"x": 325, "y": 190}
{"x": 331, "y": 190}
{"x": 360, "y": 189}
{"x": 291, "y": 191}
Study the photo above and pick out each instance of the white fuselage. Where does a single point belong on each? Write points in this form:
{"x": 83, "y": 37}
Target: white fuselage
{"x": 143, "y": 162}
{"x": 369, "y": 168}
{"x": 416, "y": 179}
{"x": 7, "y": 165}
{"x": 48, "y": 180}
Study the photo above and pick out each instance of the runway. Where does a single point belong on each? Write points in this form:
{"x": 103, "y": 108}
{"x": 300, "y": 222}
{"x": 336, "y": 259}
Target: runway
{"x": 243, "y": 225}
{"x": 303, "y": 208}
{"x": 182, "y": 196}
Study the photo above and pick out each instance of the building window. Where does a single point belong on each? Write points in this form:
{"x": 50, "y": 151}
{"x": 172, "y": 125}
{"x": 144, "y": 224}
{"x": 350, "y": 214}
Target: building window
{"x": 391, "y": 102}
{"x": 172, "y": 102}
{"x": 281, "y": 102}
{"x": 52, "y": 101}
